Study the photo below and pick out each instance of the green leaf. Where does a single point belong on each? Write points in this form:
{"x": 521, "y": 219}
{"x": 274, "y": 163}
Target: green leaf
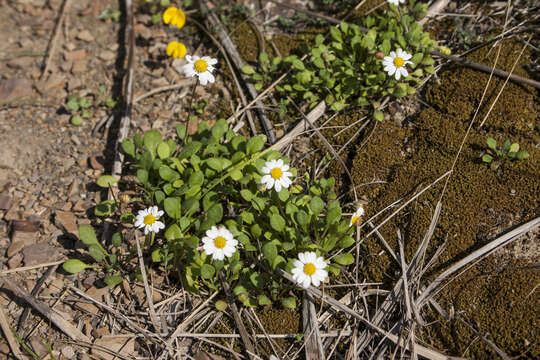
{"x": 255, "y": 144}
{"x": 334, "y": 212}
{"x": 277, "y": 222}
{"x": 248, "y": 69}
{"x": 215, "y": 163}
{"x": 128, "y": 147}
{"x": 127, "y": 217}
{"x": 378, "y": 115}
{"x": 87, "y": 235}
{"x": 173, "y": 232}
{"x": 117, "y": 239}
{"x": 302, "y": 218}
{"x": 207, "y": 271}
{"x": 506, "y": 146}
{"x": 113, "y": 280}
{"x": 172, "y": 207}
{"x": 487, "y": 158}
{"x": 238, "y": 290}
{"x": 269, "y": 252}
{"x": 316, "y": 205}
{"x": 76, "y": 120}
{"x": 142, "y": 175}
{"x": 347, "y": 242}
{"x": 181, "y": 131}
{"x": 72, "y": 104}
{"x": 290, "y": 302}
{"x": 196, "y": 178}
{"x": 344, "y": 259}
{"x": 221, "y": 305}
{"x": 491, "y": 143}
{"x": 514, "y": 148}
{"x": 163, "y": 150}
{"x": 263, "y": 300}
{"x": 105, "y": 181}
{"x": 74, "y": 266}
{"x": 105, "y": 208}
{"x": 215, "y": 213}
{"x": 151, "y": 140}
{"x": 336, "y": 34}
{"x": 521, "y": 155}
{"x": 220, "y": 128}
{"x": 96, "y": 252}
{"x": 246, "y": 194}
{"x": 283, "y": 194}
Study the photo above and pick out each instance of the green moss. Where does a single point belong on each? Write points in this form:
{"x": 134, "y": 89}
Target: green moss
{"x": 477, "y": 200}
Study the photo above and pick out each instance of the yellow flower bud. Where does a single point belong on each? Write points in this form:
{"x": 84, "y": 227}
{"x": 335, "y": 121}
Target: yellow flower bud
{"x": 445, "y": 50}
{"x": 174, "y": 17}
{"x": 176, "y": 49}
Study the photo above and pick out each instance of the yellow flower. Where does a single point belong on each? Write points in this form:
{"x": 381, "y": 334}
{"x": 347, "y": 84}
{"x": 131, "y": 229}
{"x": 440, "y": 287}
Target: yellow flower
{"x": 176, "y": 49}
{"x": 174, "y": 17}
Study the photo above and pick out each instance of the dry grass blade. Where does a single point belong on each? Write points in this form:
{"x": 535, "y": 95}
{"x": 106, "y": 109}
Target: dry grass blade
{"x": 54, "y": 40}
{"x": 31, "y": 267}
{"x": 239, "y": 63}
{"x": 151, "y": 309}
{"x": 49, "y": 313}
{"x": 313, "y": 342}
{"x": 421, "y": 350}
{"x": 502, "y": 240}
{"x": 182, "y": 83}
{"x": 12, "y": 342}
{"x": 434, "y": 9}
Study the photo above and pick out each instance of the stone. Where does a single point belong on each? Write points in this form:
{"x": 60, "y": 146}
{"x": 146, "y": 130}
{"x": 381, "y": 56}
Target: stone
{"x": 66, "y": 221}
{"x": 79, "y": 66}
{"x": 5, "y": 202}
{"x": 12, "y": 89}
{"x": 20, "y": 62}
{"x": 120, "y": 345}
{"x": 75, "y": 55}
{"x": 54, "y": 82}
{"x": 85, "y": 36}
{"x": 25, "y": 226}
{"x": 19, "y": 240}
{"x": 96, "y": 162}
{"x": 66, "y": 66}
{"x": 107, "y": 55}
{"x": 68, "y": 352}
{"x": 39, "y": 253}
{"x": 160, "y": 82}
{"x": 15, "y": 261}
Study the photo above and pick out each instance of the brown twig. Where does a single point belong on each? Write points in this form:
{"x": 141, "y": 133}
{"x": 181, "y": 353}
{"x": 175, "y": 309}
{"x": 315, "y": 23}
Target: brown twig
{"x": 54, "y": 40}
{"x": 12, "y": 342}
{"x": 239, "y": 63}
{"x": 313, "y": 343}
{"x": 182, "y": 83}
{"x": 49, "y": 313}
{"x": 151, "y": 309}
{"x": 237, "y": 319}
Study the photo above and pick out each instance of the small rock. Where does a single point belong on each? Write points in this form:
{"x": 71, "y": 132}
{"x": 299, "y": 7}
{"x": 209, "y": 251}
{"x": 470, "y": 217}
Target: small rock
{"x": 36, "y": 342}
{"x": 81, "y": 206}
{"x": 66, "y": 66}
{"x": 25, "y": 226}
{"x": 85, "y": 36}
{"x": 20, "y": 62}
{"x": 11, "y": 89}
{"x": 19, "y": 240}
{"x": 66, "y": 221}
{"x": 5, "y": 201}
{"x": 100, "y": 332}
{"x": 160, "y": 82}
{"x": 74, "y": 83}
{"x": 74, "y": 188}
{"x": 39, "y": 254}
{"x": 15, "y": 261}
{"x": 119, "y": 345}
{"x": 75, "y": 55}
{"x": 68, "y": 352}
{"x": 53, "y": 82}
{"x": 107, "y": 55}
{"x": 79, "y": 66}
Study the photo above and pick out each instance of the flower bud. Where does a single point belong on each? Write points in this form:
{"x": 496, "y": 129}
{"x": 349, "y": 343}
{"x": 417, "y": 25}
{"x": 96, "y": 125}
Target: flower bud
{"x": 379, "y": 55}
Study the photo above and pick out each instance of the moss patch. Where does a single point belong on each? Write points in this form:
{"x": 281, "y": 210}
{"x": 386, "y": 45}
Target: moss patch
{"x": 478, "y": 203}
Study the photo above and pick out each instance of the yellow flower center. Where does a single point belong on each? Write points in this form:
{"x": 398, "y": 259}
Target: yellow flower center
{"x": 399, "y": 61}
{"x": 276, "y": 173}
{"x": 149, "y": 219}
{"x": 220, "y": 242}
{"x": 355, "y": 219}
{"x": 309, "y": 269}
{"x": 201, "y": 65}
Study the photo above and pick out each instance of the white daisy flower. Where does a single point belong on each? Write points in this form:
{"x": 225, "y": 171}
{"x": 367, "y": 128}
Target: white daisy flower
{"x": 309, "y": 269}
{"x": 395, "y": 63}
{"x": 396, "y": 2}
{"x": 273, "y": 357}
{"x": 147, "y": 219}
{"x": 276, "y": 175}
{"x": 202, "y": 67}
{"x": 357, "y": 215}
{"x": 219, "y": 242}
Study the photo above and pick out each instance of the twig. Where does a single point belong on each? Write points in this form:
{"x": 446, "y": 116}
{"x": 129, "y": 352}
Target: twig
{"x": 49, "y": 313}
{"x": 483, "y": 251}
{"x": 312, "y": 338}
{"x": 54, "y": 40}
{"x": 422, "y": 350}
{"x": 239, "y": 63}
{"x": 35, "y": 292}
{"x": 434, "y": 9}
{"x": 151, "y": 309}
{"x": 237, "y": 320}
{"x": 182, "y": 83}
{"x": 31, "y": 267}
{"x": 12, "y": 342}
{"x": 128, "y": 91}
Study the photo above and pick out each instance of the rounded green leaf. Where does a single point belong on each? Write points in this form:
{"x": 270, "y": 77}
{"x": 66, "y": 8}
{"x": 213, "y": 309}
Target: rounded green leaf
{"x": 269, "y": 252}
{"x": 105, "y": 181}
{"x": 221, "y": 305}
{"x": 514, "y": 148}
{"x": 196, "y": 178}
{"x": 344, "y": 259}
{"x": 215, "y": 213}
{"x": 215, "y": 163}
{"x": 289, "y": 302}
{"x": 255, "y": 144}
{"x": 491, "y": 143}
{"x": 522, "y": 155}
{"x": 172, "y": 207}
{"x": 116, "y": 239}
{"x": 163, "y": 150}
{"x": 113, "y": 280}
{"x": 277, "y": 222}
{"x": 76, "y": 120}
{"x": 248, "y": 69}
{"x": 263, "y": 300}
{"x": 74, "y": 266}
{"x": 487, "y": 158}
{"x": 316, "y": 205}
{"x": 128, "y": 146}
{"x": 207, "y": 271}
{"x": 87, "y": 235}
{"x": 151, "y": 140}
{"x": 96, "y": 252}
{"x": 378, "y": 115}
{"x": 173, "y": 232}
